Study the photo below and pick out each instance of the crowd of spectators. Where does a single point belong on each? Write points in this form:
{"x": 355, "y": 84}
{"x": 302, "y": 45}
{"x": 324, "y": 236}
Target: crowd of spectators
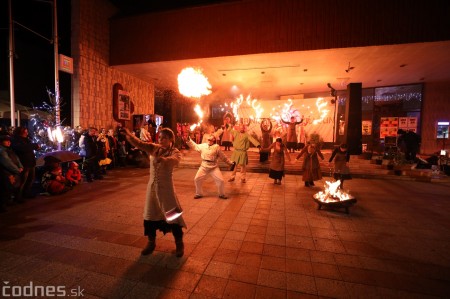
{"x": 99, "y": 150}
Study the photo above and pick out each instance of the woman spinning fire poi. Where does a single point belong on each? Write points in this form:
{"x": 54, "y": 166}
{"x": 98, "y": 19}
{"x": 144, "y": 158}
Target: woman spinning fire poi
{"x": 161, "y": 197}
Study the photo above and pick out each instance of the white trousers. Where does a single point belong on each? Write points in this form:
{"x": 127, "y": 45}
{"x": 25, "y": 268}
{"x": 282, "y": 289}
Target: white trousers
{"x": 201, "y": 175}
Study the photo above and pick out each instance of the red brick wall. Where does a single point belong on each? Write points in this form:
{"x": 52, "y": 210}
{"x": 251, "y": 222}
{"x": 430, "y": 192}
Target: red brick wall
{"x": 93, "y": 78}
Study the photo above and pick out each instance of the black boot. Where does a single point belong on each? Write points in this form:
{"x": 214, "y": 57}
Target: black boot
{"x": 179, "y": 247}
{"x": 150, "y": 246}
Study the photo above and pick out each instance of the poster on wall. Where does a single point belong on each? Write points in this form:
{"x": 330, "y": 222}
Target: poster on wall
{"x": 384, "y": 131}
{"x": 412, "y": 123}
{"x": 388, "y": 126}
{"x": 407, "y": 123}
{"x": 367, "y": 127}
{"x": 124, "y": 105}
{"x": 403, "y": 123}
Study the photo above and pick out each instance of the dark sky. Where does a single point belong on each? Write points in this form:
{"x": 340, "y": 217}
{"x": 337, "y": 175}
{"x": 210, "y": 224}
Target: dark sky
{"x": 34, "y": 55}
{"x": 34, "y": 62}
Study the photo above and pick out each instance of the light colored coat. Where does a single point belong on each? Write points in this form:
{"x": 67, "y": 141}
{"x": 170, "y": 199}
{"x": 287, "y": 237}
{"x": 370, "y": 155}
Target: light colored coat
{"x": 160, "y": 196}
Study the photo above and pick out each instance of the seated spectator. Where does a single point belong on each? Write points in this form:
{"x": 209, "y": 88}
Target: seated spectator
{"x": 53, "y": 180}
{"x": 73, "y": 174}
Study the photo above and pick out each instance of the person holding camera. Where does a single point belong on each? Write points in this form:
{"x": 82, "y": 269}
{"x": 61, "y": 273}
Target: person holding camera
{"x": 210, "y": 153}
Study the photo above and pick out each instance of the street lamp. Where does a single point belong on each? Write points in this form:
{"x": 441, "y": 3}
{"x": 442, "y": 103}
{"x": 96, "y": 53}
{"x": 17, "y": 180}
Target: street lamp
{"x": 56, "y": 57}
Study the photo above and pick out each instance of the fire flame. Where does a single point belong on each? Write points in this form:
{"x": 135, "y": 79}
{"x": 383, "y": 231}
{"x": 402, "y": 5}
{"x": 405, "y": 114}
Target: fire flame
{"x": 253, "y": 103}
{"x": 287, "y": 110}
{"x": 199, "y": 112}
{"x": 321, "y": 104}
{"x": 55, "y": 135}
{"x": 333, "y": 193}
{"x": 192, "y": 83}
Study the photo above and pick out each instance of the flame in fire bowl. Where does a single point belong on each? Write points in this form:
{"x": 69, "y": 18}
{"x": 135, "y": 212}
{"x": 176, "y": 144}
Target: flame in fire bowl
{"x": 334, "y": 198}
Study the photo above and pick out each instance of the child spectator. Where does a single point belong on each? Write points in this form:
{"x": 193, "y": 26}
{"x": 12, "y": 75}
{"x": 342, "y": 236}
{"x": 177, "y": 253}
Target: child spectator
{"x": 53, "y": 180}
{"x": 73, "y": 174}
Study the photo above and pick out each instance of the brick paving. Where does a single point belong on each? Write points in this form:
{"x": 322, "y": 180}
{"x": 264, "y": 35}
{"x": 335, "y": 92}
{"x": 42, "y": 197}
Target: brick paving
{"x": 265, "y": 241}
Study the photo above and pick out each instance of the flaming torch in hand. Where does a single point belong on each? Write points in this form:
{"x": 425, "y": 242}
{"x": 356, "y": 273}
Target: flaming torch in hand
{"x": 199, "y": 112}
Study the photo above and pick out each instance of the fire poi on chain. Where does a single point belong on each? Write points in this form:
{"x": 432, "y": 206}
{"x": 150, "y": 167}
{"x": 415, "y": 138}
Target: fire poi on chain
{"x": 193, "y": 84}
{"x": 334, "y": 197}
{"x": 199, "y": 112}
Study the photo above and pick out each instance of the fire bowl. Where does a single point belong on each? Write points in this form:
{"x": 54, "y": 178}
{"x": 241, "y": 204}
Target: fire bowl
{"x": 334, "y": 204}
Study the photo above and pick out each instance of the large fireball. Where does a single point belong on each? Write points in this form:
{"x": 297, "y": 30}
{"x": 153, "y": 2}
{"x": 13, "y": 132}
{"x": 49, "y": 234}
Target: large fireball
{"x": 192, "y": 83}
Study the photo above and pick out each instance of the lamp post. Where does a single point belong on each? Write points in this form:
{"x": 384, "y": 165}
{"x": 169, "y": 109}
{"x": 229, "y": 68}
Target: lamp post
{"x": 56, "y": 61}
{"x": 56, "y": 58}
{"x": 11, "y": 68}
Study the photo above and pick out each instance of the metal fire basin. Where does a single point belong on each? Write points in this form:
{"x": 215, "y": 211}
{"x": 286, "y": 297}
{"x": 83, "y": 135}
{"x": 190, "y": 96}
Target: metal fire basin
{"x": 333, "y": 205}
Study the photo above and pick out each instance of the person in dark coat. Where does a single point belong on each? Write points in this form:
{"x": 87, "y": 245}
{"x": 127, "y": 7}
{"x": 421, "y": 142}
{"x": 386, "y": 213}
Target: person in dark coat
{"x": 276, "y": 168}
{"x": 10, "y": 169}
{"x": 24, "y": 149}
{"x": 341, "y": 158}
{"x": 292, "y": 133}
{"x": 411, "y": 142}
{"x": 311, "y": 164}
{"x": 92, "y": 155}
{"x": 266, "y": 140}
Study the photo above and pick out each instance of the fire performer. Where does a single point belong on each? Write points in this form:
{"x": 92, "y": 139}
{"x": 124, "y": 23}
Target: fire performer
{"x": 210, "y": 153}
{"x": 266, "y": 139}
{"x": 276, "y": 171}
{"x": 311, "y": 164}
{"x": 241, "y": 144}
{"x": 226, "y": 136}
{"x": 292, "y": 133}
{"x": 161, "y": 197}
{"x": 341, "y": 157}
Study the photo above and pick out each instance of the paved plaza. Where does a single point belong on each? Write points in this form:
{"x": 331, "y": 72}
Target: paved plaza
{"x": 265, "y": 241}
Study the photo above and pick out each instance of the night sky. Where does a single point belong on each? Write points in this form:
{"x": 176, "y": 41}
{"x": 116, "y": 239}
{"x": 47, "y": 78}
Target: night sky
{"x": 34, "y": 55}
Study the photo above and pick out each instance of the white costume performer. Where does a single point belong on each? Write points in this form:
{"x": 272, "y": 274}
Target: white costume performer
{"x": 210, "y": 153}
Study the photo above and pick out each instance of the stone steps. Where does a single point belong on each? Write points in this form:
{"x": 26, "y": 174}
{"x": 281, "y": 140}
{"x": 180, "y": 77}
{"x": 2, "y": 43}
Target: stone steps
{"x": 359, "y": 168}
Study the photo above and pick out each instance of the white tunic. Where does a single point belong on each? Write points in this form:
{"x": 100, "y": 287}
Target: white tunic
{"x": 210, "y": 154}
